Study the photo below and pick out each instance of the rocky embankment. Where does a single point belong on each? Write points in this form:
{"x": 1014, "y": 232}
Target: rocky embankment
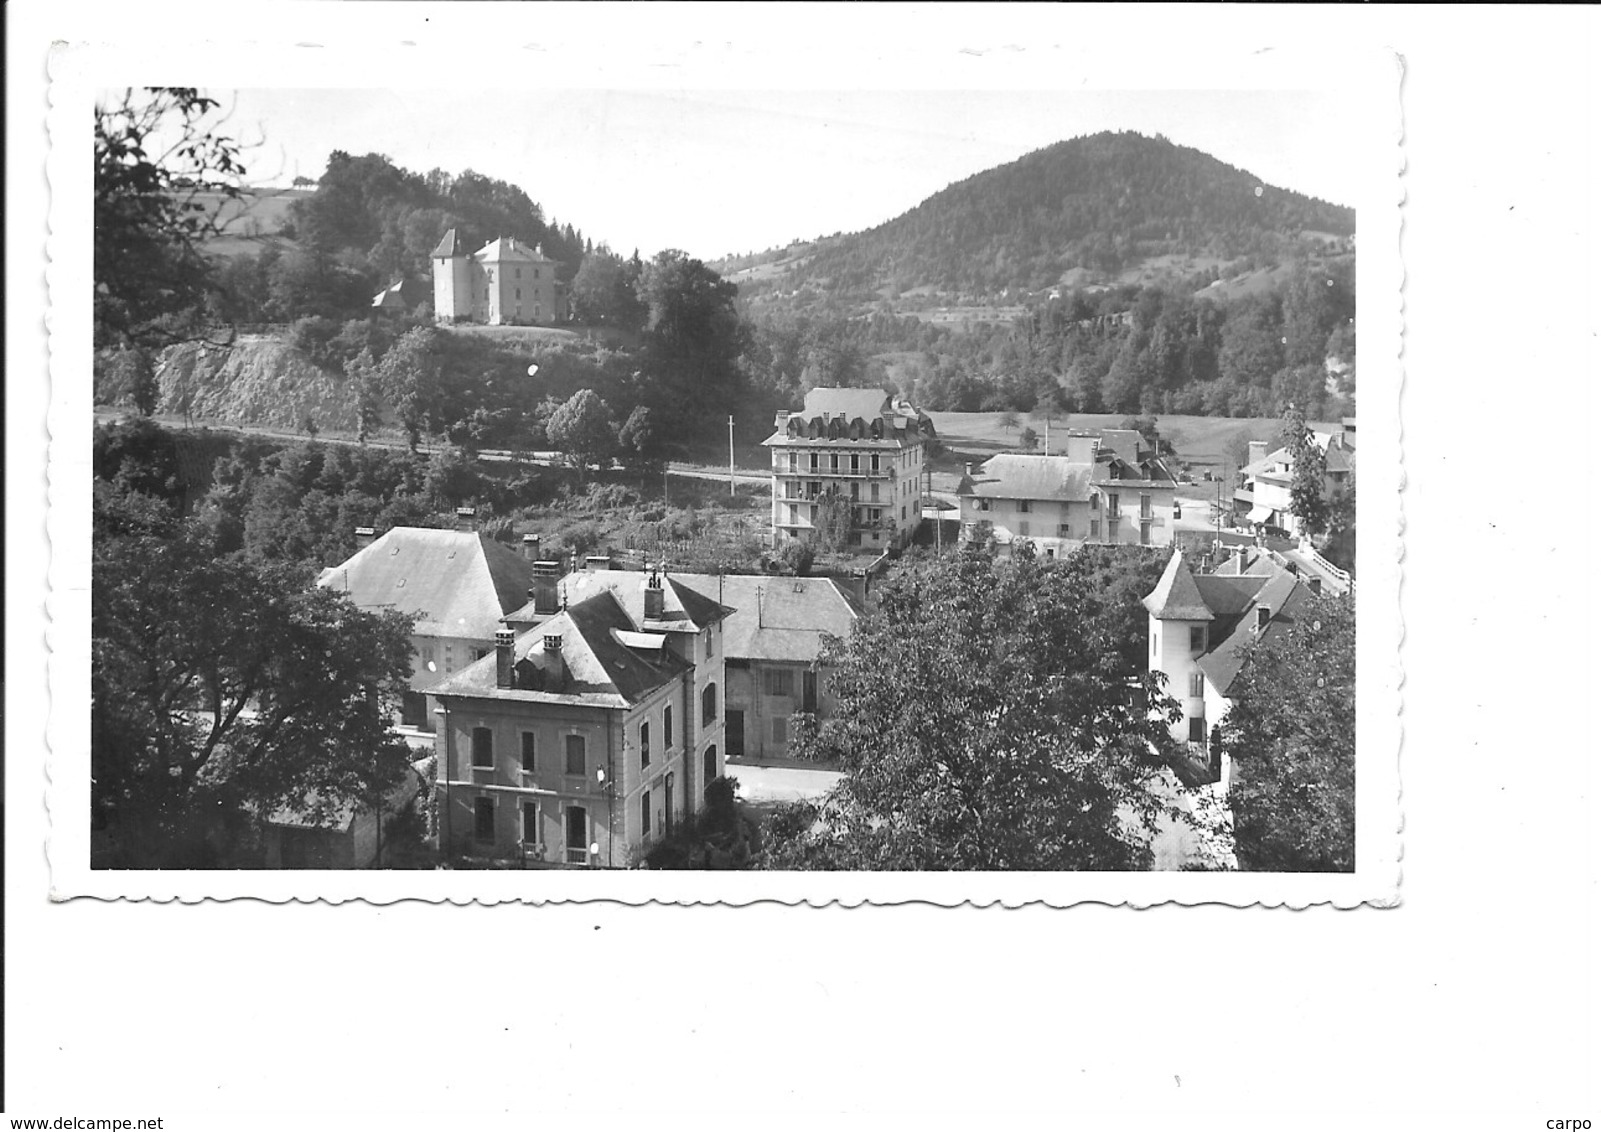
{"x": 258, "y": 380}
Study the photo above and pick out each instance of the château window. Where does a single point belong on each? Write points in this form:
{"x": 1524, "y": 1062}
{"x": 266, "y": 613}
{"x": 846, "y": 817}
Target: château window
{"x": 781, "y": 730}
{"x": 644, "y": 814}
{"x": 708, "y": 705}
{"x": 1198, "y": 729}
{"x": 1022, "y": 528}
{"x": 856, "y": 462}
{"x": 1197, "y": 638}
{"x": 484, "y": 819}
{"x": 667, "y": 729}
{"x": 1024, "y": 506}
{"x": 576, "y": 755}
{"x": 483, "y": 748}
{"x": 1197, "y": 684}
{"x": 779, "y": 682}
{"x": 873, "y": 463}
{"x": 644, "y": 745}
{"x": 530, "y": 762}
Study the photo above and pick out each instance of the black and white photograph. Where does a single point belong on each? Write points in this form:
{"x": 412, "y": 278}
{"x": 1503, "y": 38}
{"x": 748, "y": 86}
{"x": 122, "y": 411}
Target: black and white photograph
{"x": 466, "y": 502}
{"x": 798, "y": 565}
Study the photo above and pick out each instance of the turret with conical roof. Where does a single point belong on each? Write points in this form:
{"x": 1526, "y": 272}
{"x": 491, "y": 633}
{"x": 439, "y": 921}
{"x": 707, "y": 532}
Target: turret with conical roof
{"x": 453, "y": 279}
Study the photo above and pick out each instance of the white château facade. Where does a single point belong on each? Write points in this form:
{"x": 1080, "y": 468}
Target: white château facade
{"x": 504, "y": 283}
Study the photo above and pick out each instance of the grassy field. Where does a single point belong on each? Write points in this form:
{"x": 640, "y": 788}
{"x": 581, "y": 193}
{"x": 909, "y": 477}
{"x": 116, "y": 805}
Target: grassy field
{"x": 1198, "y": 440}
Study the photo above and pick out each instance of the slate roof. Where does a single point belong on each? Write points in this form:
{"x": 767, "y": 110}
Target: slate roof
{"x": 864, "y": 403}
{"x": 1124, "y": 441}
{"x": 450, "y": 246}
{"x": 786, "y": 622}
{"x": 603, "y": 669}
{"x": 686, "y": 607}
{"x": 506, "y": 249}
{"x": 459, "y": 583}
{"x": 1282, "y": 595}
{"x": 1176, "y": 596}
{"x": 1022, "y": 476}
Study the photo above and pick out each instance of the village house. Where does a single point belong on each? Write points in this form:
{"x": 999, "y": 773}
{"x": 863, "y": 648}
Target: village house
{"x": 456, "y": 584}
{"x": 1108, "y": 487}
{"x": 772, "y": 639}
{"x": 1200, "y": 623}
{"x": 1262, "y": 496}
{"x": 591, "y": 731}
{"x": 855, "y": 449}
{"x": 347, "y": 836}
{"x": 503, "y": 283}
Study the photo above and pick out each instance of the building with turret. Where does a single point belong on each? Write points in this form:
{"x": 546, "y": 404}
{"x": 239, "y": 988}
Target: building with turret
{"x": 1200, "y": 625}
{"x": 503, "y": 283}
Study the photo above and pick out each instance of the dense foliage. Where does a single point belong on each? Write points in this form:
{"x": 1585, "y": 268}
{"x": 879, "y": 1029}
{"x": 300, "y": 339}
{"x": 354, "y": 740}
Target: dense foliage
{"x": 155, "y": 156}
{"x": 223, "y": 689}
{"x": 1292, "y": 736}
{"x": 992, "y": 714}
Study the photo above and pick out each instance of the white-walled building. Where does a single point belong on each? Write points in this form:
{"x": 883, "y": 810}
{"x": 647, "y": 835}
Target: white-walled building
{"x": 1107, "y": 488}
{"x": 503, "y": 283}
{"x": 1263, "y": 494}
{"x": 857, "y": 449}
{"x": 1199, "y": 625}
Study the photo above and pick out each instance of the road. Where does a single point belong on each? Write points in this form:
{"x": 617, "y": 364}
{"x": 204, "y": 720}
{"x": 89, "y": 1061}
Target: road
{"x": 109, "y": 413}
{"x": 771, "y": 785}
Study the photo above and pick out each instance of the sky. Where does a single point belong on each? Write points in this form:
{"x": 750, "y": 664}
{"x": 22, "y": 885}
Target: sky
{"x": 715, "y": 172}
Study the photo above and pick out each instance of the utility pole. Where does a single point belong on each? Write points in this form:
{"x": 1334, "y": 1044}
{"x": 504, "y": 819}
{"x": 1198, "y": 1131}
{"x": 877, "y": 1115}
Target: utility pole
{"x": 730, "y": 453}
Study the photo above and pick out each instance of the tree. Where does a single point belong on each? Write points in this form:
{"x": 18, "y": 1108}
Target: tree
{"x": 582, "y": 428}
{"x": 1007, "y": 421}
{"x": 832, "y": 519}
{"x": 224, "y": 689}
{"x": 1292, "y": 737}
{"x": 693, "y": 343}
{"x": 1028, "y": 439}
{"x": 409, "y": 375}
{"x": 161, "y": 173}
{"x": 362, "y": 372}
{"x": 1308, "y": 468}
{"x": 986, "y": 720}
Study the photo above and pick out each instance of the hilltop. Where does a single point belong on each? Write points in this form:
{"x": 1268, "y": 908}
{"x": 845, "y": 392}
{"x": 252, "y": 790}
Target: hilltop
{"x": 1102, "y": 210}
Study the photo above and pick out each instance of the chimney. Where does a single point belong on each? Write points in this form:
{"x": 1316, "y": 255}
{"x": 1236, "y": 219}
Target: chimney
{"x": 505, "y": 640}
{"x": 1315, "y": 585}
{"x": 653, "y": 597}
{"x": 551, "y": 664}
{"x": 1257, "y": 450}
{"x": 972, "y": 470}
{"x": 547, "y": 577}
{"x": 597, "y": 562}
{"x": 364, "y": 537}
{"x": 531, "y": 548}
{"x": 1263, "y": 616}
{"x": 466, "y": 518}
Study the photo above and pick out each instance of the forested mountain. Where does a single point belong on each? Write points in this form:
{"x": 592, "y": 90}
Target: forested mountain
{"x": 1091, "y": 207}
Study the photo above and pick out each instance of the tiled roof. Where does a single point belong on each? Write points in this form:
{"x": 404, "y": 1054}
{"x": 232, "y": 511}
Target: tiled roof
{"x": 1176, "y": 596}
{"x": 864, "y": 403}
{"x": 1021, "y": 476}
{"x": 458, "y": 583}
{"x": 450, "y": 247}
{"x": 778, "y": 618}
